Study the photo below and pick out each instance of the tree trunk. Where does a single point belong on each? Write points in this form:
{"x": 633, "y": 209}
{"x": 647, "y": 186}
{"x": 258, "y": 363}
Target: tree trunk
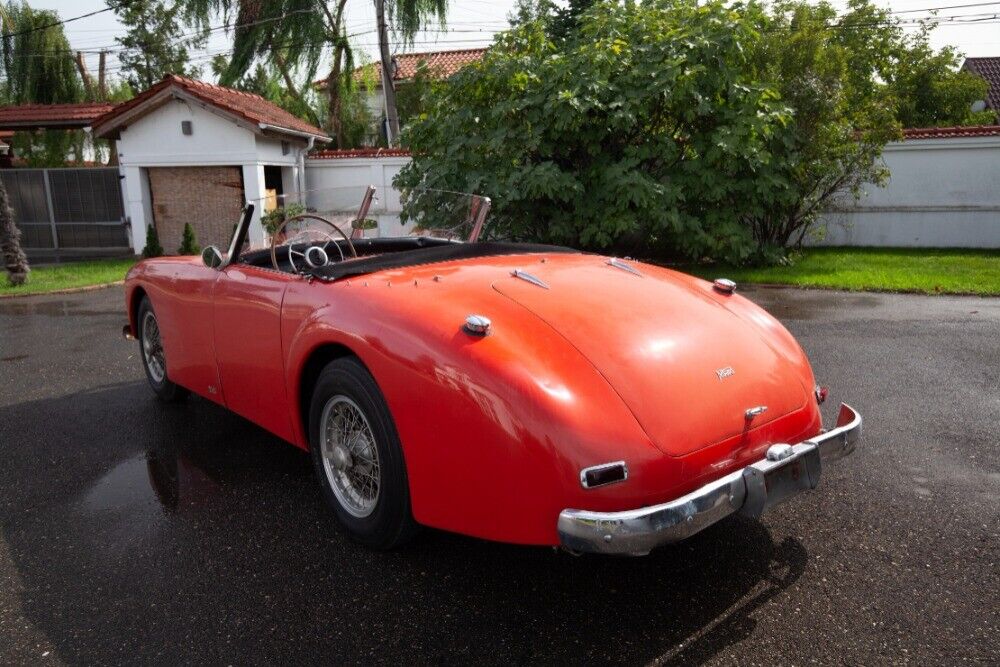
{"x": 333, "y": 90}
{"x": 102, "y": 79}
{"x": 388, "y": 87}
{"x": 10, "y": 243}
{"x": 88, "y": 81}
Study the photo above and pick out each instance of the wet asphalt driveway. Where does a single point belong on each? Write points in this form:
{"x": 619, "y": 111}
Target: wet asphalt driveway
{"x": 136, "y": 532}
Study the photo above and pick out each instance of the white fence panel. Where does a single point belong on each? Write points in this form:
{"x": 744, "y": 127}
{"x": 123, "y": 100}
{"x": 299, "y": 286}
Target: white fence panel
{"x": 350, "y": 174}
{"x": 941, "y": 193}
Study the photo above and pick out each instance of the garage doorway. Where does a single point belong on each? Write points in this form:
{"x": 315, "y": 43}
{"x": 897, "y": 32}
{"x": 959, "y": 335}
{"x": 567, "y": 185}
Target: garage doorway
{"x": 210, "y": 198}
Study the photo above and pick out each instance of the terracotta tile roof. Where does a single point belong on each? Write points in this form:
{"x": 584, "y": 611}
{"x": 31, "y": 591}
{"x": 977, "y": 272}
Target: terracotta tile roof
{"x": 989, "y": 69}
{"x": 247, "y": 106}
{"x": 359, "y": 152}
{"x": 52, "y": 115}
{"x": 441, "y": 63}
{"x": 952, "y": 132}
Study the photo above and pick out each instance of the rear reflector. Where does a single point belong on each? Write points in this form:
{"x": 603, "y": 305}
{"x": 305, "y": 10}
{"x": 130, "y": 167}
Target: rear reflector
{"x": 821, "y": 393}
{"x": 606, "y": 473}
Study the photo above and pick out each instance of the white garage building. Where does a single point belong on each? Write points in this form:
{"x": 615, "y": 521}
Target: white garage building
{"x": 195, "y": 152}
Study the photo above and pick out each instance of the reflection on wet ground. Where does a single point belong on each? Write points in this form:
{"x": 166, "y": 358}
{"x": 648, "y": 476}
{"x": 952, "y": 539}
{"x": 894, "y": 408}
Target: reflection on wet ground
{"x": 60, "y": 307}
{"x": 158, "y": 478}
{"x": 791, "y": 304}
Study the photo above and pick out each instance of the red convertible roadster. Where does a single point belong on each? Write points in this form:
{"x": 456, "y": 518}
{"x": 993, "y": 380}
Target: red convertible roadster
{"x": 522, "y": 393}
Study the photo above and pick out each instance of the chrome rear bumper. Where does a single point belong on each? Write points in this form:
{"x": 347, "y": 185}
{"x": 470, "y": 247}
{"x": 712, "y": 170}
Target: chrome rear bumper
{"x": 786, "y": 471}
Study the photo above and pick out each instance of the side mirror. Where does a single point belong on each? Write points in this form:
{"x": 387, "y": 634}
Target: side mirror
{"x": 212, "y": 257}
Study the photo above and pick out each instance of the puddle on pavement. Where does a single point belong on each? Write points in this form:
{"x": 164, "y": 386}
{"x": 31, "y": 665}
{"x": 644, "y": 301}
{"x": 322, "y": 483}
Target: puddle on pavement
{"x": 160, "y": 481}
{"x": 60, "y": 308}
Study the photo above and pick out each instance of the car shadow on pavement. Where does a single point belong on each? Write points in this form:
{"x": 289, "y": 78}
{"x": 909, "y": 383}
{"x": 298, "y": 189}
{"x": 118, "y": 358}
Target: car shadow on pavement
{"x": 142, "y": 532}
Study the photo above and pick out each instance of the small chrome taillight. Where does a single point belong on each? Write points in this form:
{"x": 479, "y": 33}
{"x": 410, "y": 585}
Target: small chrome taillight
{"x": 821, "y": 394}
{"x": 477, "y": 325}
{"x": 601, "y": 475}
{"x": 724, "y": 285}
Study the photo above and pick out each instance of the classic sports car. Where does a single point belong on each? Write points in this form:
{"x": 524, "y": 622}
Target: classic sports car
{"x": 523, "y": 393}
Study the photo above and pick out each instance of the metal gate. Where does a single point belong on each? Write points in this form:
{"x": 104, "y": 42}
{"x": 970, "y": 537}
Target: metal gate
{"x": 68, "y": 210}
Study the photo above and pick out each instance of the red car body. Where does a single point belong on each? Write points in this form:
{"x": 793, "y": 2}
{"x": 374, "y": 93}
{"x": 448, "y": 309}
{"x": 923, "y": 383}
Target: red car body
{"x": 594, "y": 361}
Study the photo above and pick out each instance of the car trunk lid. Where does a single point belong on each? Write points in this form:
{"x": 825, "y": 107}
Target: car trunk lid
{"x": 687, "y": 368}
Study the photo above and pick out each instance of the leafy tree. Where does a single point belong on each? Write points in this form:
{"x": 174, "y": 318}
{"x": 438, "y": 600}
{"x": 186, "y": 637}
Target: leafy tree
{"x": 929, "y": 89}
{"x": 14, "y": 259}
{"x": 295, "y": 36}
{"x": 413, "y": 94}
{"x": 154, "y": 44}
{"x": 37, "y": 63}
{"x": 37, "y": 66}
{"x": 153, "y": 247}
{"x": 646, "y": 127}
{"x": 189, "y": 245}
{"x": 828, "y": 70}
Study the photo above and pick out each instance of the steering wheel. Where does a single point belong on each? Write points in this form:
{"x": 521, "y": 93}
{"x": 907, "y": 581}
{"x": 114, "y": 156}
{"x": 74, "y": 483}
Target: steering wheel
{"x": 314, "y": 255}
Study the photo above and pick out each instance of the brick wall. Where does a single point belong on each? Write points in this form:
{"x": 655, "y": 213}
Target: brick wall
{"x": 210, "y": 198}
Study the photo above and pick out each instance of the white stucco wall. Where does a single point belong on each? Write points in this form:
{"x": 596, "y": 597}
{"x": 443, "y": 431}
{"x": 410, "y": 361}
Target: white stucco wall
{"x": 156, "y": 140}
{"x": 941, "y": 193}
{"x": 340, "y": 183}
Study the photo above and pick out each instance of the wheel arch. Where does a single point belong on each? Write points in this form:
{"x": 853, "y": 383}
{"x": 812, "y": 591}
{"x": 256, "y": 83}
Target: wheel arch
{"x": 135, "y": 298}
{"x": 312, "y": 366}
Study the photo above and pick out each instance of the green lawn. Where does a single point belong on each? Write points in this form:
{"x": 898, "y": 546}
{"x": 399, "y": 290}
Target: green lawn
{"x": 923, "y": 270}
{"x": 54, "y": 277}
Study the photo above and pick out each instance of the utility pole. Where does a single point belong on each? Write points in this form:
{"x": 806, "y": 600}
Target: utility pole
{"x": 388, "y": 87}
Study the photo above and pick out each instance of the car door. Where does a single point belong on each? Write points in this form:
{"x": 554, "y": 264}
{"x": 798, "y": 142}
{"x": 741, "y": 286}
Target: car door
{"x": 247, "y": 318}
{"x": 181, "y": 291}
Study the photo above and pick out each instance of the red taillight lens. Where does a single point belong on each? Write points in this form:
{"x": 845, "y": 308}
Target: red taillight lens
{"x": 821, "y": 393}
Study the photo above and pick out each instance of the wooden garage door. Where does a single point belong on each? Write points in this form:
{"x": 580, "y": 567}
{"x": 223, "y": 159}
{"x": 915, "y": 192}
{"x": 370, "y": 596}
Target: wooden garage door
{"x": 210, "y": 198}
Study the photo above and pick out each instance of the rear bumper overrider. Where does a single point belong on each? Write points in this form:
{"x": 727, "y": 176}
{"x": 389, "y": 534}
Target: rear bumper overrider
{"x": 786, "y": 471}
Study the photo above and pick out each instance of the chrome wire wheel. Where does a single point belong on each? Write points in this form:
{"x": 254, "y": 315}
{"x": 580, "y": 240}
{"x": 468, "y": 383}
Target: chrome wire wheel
{"x": 152, "y": 348}
{"x": 350, "y": 456}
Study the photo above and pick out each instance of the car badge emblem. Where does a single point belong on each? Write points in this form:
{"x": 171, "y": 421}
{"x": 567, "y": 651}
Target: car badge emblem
{"x": 726, "y": 372}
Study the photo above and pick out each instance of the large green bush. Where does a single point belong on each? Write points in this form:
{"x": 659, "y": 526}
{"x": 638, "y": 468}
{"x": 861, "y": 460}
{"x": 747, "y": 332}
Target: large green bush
{"x": 647, "y": 127}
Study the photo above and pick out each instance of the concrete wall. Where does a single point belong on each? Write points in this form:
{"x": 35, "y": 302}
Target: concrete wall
{"x": 941, "y": 193}
{"x": 338, "y": 184}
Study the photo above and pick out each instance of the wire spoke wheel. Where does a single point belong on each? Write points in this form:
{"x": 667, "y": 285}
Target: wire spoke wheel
{"x": 152, "y": 348}
{"x": 350, "y": 456}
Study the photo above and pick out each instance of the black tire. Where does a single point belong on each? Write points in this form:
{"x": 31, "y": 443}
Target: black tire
{"x": 166, "y": 390}
{"x": 390, "y": 523}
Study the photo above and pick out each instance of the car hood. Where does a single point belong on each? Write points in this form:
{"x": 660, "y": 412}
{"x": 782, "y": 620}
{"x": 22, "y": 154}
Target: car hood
{"x": 686, "y": 366}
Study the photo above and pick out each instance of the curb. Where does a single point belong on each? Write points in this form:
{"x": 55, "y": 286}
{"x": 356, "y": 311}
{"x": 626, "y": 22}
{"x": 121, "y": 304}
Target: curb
{"x": 68, "y": 290}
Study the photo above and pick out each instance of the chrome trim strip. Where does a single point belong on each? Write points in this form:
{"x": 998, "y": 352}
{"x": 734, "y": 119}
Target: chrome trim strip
{"x": 602, "y": 466}
{"x": 751, "y": 491}
{"x": 534, "y": 280}
{"x": 618, "y": 264}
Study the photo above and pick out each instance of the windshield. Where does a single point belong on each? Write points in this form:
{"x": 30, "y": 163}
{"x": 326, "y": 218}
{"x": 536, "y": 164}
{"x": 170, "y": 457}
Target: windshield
{"x": 363, "y": 212}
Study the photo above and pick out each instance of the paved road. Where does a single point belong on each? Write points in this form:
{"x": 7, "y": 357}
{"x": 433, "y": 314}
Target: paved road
{"x": 136, "y": 532}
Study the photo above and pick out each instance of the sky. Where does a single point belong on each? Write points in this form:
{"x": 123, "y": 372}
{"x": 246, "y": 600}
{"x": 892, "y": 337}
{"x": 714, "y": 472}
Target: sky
{"x": 471, "y": 23}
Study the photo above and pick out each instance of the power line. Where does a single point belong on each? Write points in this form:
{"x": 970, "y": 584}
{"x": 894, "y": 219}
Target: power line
{"x": 65, "y": 21}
